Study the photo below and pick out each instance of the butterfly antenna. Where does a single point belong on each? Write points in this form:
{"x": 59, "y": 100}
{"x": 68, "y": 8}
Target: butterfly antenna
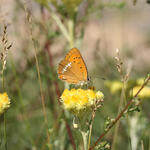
{"x": 97, "y": 77}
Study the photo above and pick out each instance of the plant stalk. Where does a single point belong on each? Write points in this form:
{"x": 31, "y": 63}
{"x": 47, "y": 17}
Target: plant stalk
{"x": 85, "y": 139}
{"x": 121, "y": 113}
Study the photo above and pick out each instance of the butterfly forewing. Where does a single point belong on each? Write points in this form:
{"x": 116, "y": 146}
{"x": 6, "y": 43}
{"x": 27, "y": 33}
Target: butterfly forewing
{"x": 78, "y": 64}
{"x": 72, "y": 68}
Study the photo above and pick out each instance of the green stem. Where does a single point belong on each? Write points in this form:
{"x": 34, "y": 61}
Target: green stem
{"x": 5, "y": 135}
{"x": 117, "y": 125}
{"x": 68, "y": 34}
{"x": 90, "y": 133}
{"x": 61, "y": 26}
{"x": 91, "y": 126}
{"x": 85, "y": 137}
{"x": 3, "y": 81}
{"x": 121, "y": 113}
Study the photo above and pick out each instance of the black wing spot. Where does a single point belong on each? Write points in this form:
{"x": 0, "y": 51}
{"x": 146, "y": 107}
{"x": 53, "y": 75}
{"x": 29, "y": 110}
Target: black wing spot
{"x": 80, "y": 67}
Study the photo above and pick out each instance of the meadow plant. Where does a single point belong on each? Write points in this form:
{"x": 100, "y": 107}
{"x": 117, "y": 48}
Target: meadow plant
{"x": 4, "y": 51}
{"x": 71, "y": 117}
{"x": 82, "y": 103}
{"x": 4, "y": 99}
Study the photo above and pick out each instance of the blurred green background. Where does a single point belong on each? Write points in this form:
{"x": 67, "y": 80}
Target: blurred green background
{"x": 97, "y": 28}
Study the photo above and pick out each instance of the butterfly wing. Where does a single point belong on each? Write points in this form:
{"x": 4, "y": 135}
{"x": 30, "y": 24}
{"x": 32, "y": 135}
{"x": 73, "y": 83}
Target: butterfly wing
{"x": 65, "y": 73}
{"x": 73, "y": 68}
{"x": 78, "y": 64}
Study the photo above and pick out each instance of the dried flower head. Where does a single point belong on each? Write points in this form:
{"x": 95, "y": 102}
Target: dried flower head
{"x": 77, "y": 100}
{"x": 119, "y": 62}
{"x": 5, "y": 48}
{"x": 4, "y": 102}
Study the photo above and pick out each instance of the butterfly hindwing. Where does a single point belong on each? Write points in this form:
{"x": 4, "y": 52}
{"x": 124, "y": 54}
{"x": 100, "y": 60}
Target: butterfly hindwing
{"x": 65, "y": 73}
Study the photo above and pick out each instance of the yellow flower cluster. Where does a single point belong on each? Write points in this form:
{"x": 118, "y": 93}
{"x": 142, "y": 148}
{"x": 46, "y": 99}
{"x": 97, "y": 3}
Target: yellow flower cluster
{"x": 76, "y": 100}
{"x": 114, "y": 86}
{"x": 4, "y": 102}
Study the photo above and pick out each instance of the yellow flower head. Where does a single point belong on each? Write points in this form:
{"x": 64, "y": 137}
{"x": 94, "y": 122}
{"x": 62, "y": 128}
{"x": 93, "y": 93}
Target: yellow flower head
{"x": 4, "y": 102}
{"x": 76, "y": 100}
{"x": 114, "y": 86}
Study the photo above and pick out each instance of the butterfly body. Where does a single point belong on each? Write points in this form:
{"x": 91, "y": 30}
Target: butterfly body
{"x": 72, "y": 68}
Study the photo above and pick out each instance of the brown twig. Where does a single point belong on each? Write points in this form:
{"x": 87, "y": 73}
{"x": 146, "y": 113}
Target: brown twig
{"x": 70, "y": 135}
{"x": 48, "y": 50}
{"x": 121, "y": 113}
{"x": 47, "y": 47}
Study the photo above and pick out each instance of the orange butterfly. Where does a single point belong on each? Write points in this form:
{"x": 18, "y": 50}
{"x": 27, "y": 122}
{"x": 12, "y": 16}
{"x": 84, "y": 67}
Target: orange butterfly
{"x": 72, "y": 68}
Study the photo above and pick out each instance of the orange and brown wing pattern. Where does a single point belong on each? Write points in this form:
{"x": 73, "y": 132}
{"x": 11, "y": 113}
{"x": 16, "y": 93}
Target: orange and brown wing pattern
{"x": 65, "y": 72}
{"x": 73, "y": 68}
{"x": 75, "y": 57}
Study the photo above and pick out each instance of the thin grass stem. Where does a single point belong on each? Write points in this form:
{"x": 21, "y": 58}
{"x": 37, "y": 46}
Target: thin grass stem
{"x": 118, "y": 124}
{"x": 61, "y": 26}
{"x": 38, "y": 69}
{"x": 90, "y": 133}
{"x": 5, "y": 134}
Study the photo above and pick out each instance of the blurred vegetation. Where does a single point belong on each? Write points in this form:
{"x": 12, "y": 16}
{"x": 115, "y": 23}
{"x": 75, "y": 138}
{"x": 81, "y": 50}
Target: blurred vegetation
{"x": 24, "y": 126}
